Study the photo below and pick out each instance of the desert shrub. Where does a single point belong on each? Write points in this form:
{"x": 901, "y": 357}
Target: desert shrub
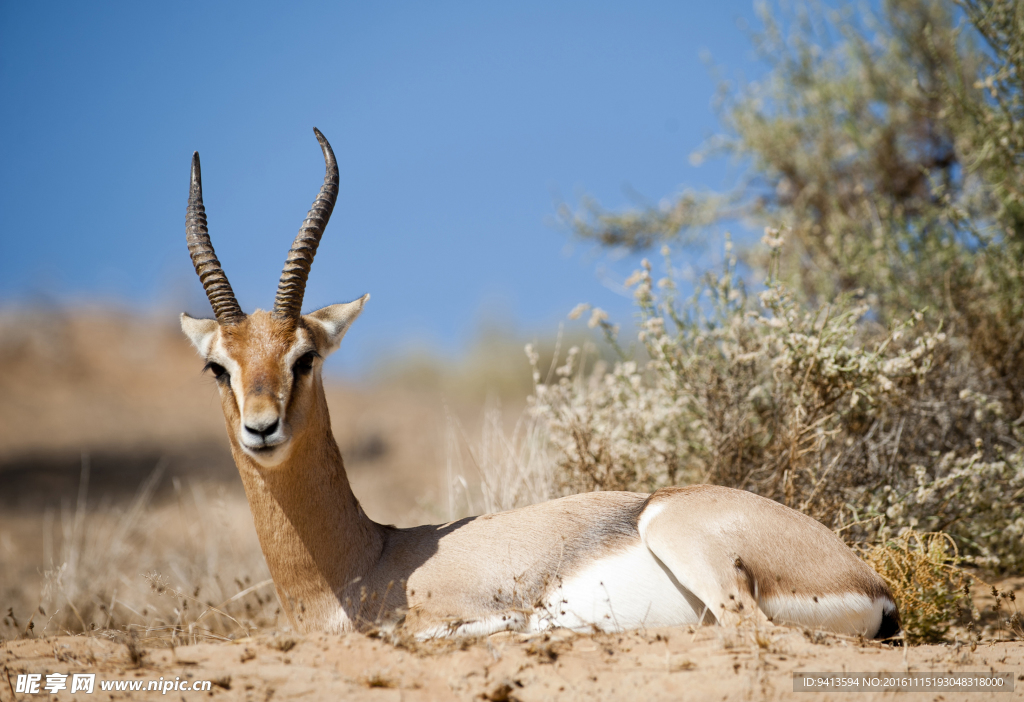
{"x": 977, "y": 501}
{"x": 891, "y": 144}
{"x": 868, "y": 428}
{"x": 922, "y": 572}
{"x": 878, "y": 382}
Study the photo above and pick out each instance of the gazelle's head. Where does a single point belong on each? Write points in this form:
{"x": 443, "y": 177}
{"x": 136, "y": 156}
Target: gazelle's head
{"x": 267, "y": 364}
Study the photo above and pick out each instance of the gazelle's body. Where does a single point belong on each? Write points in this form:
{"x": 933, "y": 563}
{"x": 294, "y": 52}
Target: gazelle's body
{"x": 609, "y": 560}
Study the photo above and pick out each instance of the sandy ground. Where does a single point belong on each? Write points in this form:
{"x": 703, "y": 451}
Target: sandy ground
{"x": 664, "y": 664}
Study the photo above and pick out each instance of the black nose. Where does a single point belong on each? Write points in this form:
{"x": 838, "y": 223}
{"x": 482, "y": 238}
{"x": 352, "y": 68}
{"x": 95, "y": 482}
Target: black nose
{"x": 265, "y": 431}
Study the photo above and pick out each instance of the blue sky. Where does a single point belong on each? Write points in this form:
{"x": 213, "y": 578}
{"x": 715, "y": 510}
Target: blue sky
{"x": 457, "y": 126}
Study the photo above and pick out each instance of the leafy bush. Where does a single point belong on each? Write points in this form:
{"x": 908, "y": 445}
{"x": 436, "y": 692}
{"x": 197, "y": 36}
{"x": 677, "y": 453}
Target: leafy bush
{"x": 869, "y": 429}
{"x": 892, "y": 148}
{"x": 878, "y": 382}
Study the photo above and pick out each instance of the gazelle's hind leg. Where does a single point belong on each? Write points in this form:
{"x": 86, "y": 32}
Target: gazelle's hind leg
{"x": 746, "y": 556}
{"x": 715, "y": 576}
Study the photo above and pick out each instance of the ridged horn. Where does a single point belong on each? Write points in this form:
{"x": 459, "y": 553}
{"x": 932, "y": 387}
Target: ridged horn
{"x": 288, "y": 304}
{"x": 215, "y": 282}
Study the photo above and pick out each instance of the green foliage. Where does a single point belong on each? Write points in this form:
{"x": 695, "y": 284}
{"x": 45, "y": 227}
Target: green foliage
{"x": 845, "y": 146}
{"x": 892, "y": 149}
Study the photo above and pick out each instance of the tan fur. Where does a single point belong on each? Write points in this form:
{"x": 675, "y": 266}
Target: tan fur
{"x": 335, "y": 569}
{"x": 700, "y": 552}
{"x": 755, "y": 548}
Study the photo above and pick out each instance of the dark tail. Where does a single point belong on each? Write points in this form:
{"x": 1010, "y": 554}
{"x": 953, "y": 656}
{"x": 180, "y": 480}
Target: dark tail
{"x": 890, "y": 625}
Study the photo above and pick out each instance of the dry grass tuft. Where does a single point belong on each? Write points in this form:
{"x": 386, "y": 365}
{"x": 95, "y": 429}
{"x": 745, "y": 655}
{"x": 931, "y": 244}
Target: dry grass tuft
{"x": 378, "y": 678}
{"x": 546, "y": 650}
{"x": 929, "y": 586}
{"x": 679, "y": 665}
{"x": 285, "y": 645}
{"x": 504, "y": 691}
{"x": 1009, "y": 621}
{"x": 170, "y": 574}
{"x": 136, "y": 652}
{"x": 502, "y": 470}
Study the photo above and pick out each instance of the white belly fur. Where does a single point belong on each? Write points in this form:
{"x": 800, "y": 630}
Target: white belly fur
{"x": 629, "y": 589}
{"x": 850, "y": 613}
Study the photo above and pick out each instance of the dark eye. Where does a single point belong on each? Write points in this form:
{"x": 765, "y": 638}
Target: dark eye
{"x": 219, "y": 372}
{"x": 305, "y": 363}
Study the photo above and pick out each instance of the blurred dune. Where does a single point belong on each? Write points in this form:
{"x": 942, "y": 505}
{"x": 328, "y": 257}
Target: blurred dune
{"x": 128, "y": 393}
{"x": 114, "y": 463}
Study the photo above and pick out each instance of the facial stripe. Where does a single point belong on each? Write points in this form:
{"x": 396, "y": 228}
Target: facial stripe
{"x": 260, "y": 355}
{"x": 219, "y": 354}
{"x": 303, "y": 344}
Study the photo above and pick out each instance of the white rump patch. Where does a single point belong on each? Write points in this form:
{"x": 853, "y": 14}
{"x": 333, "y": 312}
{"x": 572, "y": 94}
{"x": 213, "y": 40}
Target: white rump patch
{"x": 850, "y": 613}
{"x": 647, "y": 516}
{"x": 629, "y": 589}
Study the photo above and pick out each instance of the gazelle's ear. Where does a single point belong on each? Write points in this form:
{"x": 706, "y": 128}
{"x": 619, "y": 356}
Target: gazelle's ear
{"x": 201, "y": 332}
{"x": 336, "y": 319}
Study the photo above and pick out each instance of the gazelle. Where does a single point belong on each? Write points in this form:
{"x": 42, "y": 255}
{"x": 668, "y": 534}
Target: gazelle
{"x": 606, "y": 560}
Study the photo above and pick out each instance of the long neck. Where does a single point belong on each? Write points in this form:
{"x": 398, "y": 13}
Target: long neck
{"x": 315, "y": 536}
